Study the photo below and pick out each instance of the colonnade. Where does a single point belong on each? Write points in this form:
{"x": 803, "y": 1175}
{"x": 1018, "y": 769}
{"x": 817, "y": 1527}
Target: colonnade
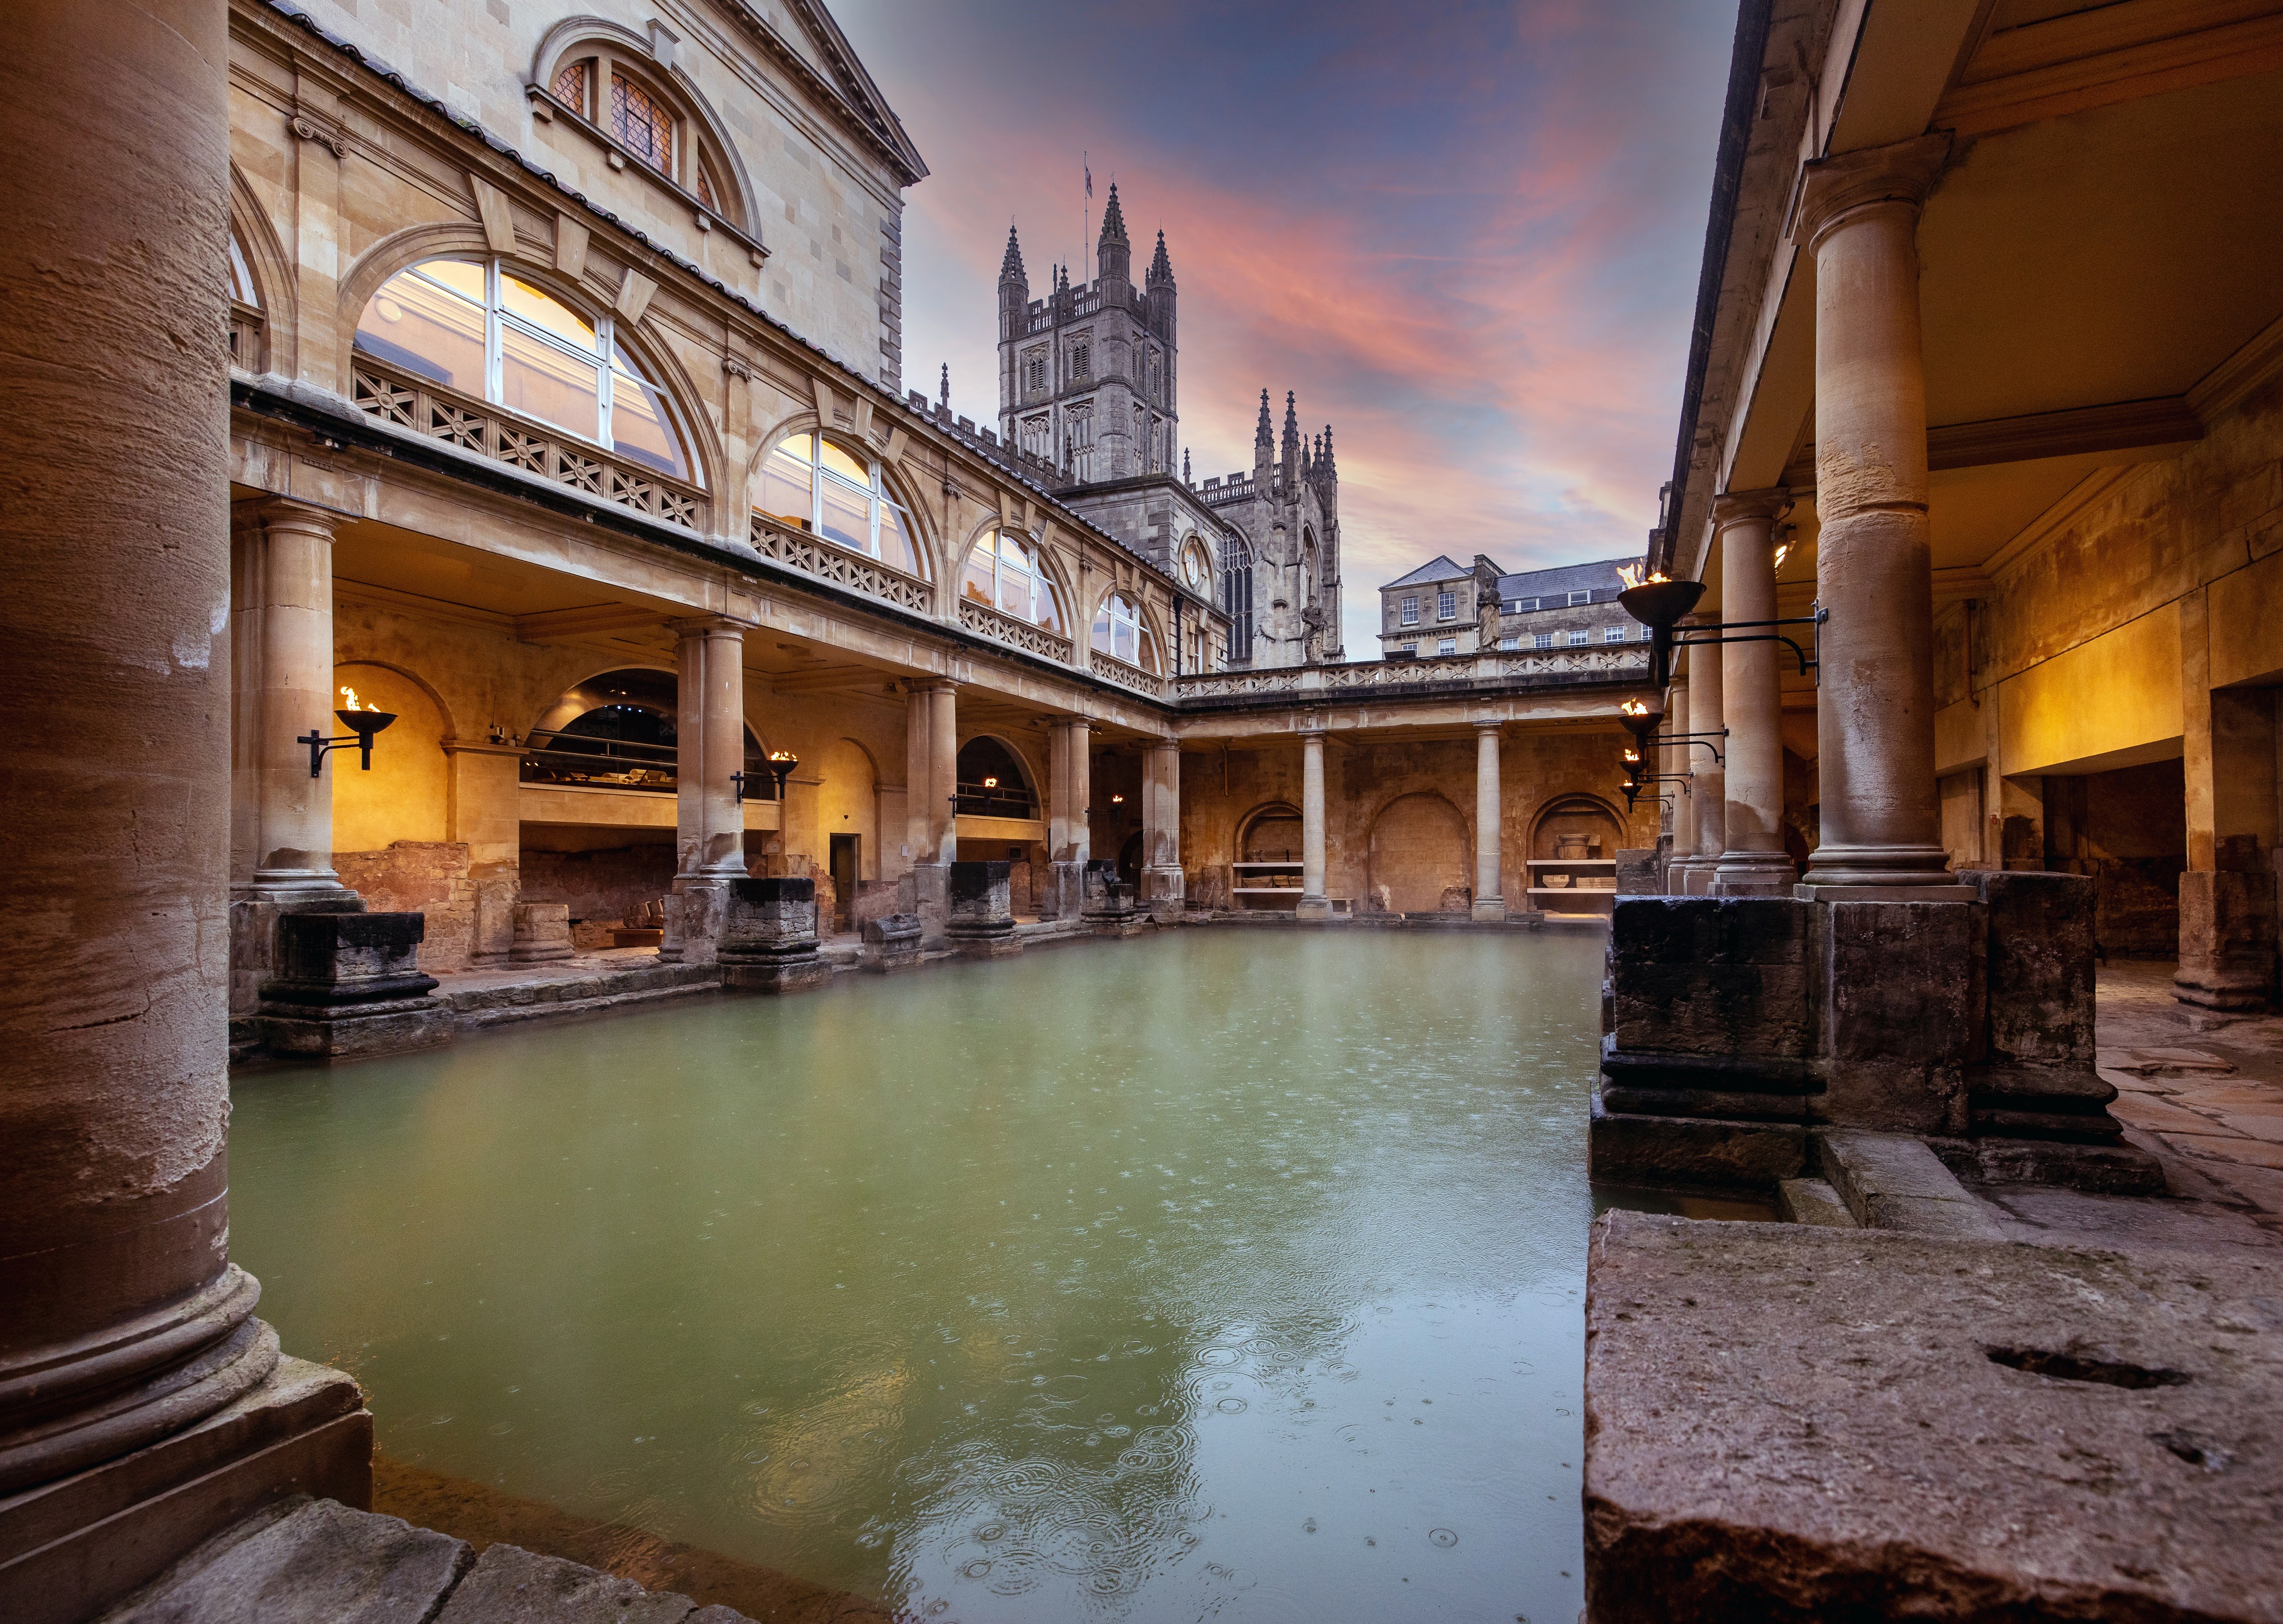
{"x": 1881, "y": 836}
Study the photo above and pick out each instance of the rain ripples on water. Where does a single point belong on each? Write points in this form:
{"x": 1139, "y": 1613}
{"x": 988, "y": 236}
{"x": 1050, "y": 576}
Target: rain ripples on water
{"x": 1228, "y": 1274}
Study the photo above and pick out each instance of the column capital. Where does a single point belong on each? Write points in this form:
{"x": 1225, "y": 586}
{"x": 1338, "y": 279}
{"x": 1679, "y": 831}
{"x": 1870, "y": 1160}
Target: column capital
{"x": 1493, "y": 728}
{"x": 284, "y": 513}
{"x": 1832, "y": 188}
{"x": 1742, "y": 506}
{"x": 935, "y": 685}
{"x": 707, "y": 626}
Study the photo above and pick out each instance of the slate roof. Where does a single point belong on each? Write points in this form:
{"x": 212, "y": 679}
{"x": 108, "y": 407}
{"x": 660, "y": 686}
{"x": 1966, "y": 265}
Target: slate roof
{"x": 1599, "y": 578}
{"x": 1439, "y": 569}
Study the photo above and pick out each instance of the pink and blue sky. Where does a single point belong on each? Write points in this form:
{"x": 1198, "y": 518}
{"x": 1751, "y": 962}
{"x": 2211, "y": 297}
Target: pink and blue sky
{"x": 1466, "y": 235}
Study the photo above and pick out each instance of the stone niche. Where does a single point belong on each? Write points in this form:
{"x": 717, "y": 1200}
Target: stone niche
{"x": 981, "y": 923}
{"x": 768, "y": 936}
{"x": 348, "y": 986}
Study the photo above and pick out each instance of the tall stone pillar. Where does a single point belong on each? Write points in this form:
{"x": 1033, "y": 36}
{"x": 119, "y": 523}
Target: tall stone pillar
{"x": 1753, "y": 862}
{"x": 131, "y": 1366}
{"x": 2228, "y": 923}
{"x": 483, "y": 786}
{"x": 1671, "y": 759}
{"x": 1709, "y": 772}
{"x": 709, "y": 822}
{"x": 1490, "y": 832}
{"x": 1314, "y": 904}
{"x": 1882, "y": 817}
{"x": 280, "y": 658}
{"x": 1070, "y": 796}
{"x": 931, "y": 771}
{"x": 1162, "y": 883}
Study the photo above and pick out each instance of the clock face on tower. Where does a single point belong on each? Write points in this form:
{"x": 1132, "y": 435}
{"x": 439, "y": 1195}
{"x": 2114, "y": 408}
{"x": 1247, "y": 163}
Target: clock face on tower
{"x": 1196, "y": 570}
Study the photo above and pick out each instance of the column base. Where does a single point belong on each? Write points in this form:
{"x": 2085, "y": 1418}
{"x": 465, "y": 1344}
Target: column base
{"x": 931, "y": 901}
{"x": 1162, "y": 889}
{"x": 253, "y": 917}
{"x": 1312, "y": 907}
{"x": 1490, "y": 910}
{"x": 1755, "y": 873}
{"x": 70, "y": 1548}
{"x": 1811, "y": 892}
{"x": 695, "y": 912}
{"x": 787, "y": 972}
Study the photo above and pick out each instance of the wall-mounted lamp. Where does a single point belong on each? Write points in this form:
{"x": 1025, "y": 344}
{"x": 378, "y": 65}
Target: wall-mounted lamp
{"x": 780, "y": 765}
{"x": 1118, "y": 800}
{"x": 990, "y": 783}
{"x": 362, "y": 724}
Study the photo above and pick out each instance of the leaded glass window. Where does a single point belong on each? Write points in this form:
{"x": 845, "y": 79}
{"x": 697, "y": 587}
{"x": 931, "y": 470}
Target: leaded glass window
{"x": 570, "y": 86}
{"x": 642, "y": 124}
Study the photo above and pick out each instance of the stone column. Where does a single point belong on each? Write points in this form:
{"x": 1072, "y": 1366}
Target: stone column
{"x": 1882, "y": 819}
{"x": 1162, "y": 885}
{"x": 1314, "y": 904}
{"x": 1490, "y": 892}
{"x": 280, "y": 656}
{"x": 1671, "y": 759}
{"x": 709, "y": 822}
{"x": 1754, "y": 862}
{"x": 931, "y": 774}
{"x": 483, "y": 787}
{"x": 2228, "y": 925}
{"x": 1710, "y": 776}
{"x": 1069, "y": 792}
{"x": 124, "y": 1328}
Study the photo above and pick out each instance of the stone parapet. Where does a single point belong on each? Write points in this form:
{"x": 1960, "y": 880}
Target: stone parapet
{"x": 348, "y": 986}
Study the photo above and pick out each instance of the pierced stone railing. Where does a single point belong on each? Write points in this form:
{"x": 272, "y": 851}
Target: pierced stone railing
{"x": 560, "y": 458}
{"x": 1110, "y": 669}
{"x": 984, "y": 621}
{"x": 812, "y": 555}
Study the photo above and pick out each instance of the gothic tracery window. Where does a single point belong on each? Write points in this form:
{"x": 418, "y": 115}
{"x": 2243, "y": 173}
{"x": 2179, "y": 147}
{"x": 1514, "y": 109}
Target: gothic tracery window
{"x": 1003, "y": 573}
{"x": 814, "y": 484}
{"x": 1236, "y": 596}
{"x": 477, "y": 327}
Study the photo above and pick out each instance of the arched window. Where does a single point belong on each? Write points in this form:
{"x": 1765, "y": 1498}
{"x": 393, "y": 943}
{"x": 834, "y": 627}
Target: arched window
{"x": 1236, "y": 596}
{"x": 1002, "y": 571}
{"x": 1120, "y": 633}
{"x": 992, "y": 782}
{"x": 815, "y": 484}
{"x": 477, "y": 327}
{"x": 618, "y": 731}
{"x": 642, "y": 118}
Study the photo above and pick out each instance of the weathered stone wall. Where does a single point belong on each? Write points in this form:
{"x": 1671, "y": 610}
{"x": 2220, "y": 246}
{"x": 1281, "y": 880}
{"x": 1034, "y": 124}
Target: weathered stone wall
{"x": 425, "y": 877}
{"x": 599, "y": 885}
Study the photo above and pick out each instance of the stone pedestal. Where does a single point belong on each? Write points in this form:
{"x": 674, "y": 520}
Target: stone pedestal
{"x": 348, "y": 986}
{"x": 1110, "y": 909}
{"x": 768, "y": 937}
{"x": 982, "y": 922}
{"x": 1708, "y": 1073}
{"x": 2227, "y": 940}
{"x": 1901, "y": 1007}
{"x": 543, "y": 933}
{"x": 892, "y": 942}
{"x": 694, "y": 913}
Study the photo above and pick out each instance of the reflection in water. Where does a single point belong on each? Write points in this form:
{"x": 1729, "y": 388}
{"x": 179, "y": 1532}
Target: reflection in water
{"x": 1229, "y": 1274}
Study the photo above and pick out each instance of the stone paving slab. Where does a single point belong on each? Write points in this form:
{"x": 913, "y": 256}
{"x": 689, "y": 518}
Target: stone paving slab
{"x": 304, "y": 1561}
{"x": 1788, "y": 1423}
{"x": 1895, "y": 1181}
{"x": 2206, "y": 1086}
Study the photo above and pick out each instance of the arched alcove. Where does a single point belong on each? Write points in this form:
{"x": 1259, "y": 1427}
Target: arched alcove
{"x": 993, "y": 783}
{"x": 1273, "y": 833}
{"x": 618, "y": 730}
{"x": 1418, "y": 856}
{"x": 1580, "y": 817}
{"x": 403, "y": 796}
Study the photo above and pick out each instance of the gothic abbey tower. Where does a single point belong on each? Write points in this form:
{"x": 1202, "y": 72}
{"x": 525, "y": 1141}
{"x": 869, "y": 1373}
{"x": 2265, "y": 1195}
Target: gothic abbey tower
{"x": 1087, "y": 380}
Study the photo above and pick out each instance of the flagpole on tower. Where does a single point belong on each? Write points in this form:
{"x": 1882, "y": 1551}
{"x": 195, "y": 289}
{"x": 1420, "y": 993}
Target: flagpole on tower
{"x": 1086, "y": 212}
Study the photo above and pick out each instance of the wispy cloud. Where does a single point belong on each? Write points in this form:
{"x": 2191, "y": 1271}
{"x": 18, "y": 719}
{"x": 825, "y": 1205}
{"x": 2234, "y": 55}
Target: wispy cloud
{"x": 1465, "y": 235}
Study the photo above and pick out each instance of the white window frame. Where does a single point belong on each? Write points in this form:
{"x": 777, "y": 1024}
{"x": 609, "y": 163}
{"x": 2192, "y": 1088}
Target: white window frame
{"x": 1579, "y": 637}
{"x": 1585, "y": 596}
{"x": 1446, "y": 645}
{"x": 1041, "y": 590}
{"x": 876, "y": 497}
{"x": 1411, "y": 647}
{"x": 1410, "y": 611}
{"x": 1118, "y": 610}
{"x": 1613, "y": 635}
{"x": 1508, "y": 645}
{"x": 497, "y": 321}
{"x": 1542, "y": 640}
{"x": 1446, "y": 606}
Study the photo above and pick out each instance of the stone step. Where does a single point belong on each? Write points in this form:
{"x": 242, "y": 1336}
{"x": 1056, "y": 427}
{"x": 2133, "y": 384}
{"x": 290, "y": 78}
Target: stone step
{"x": 304, "y": 1561}
{"x": 1812, "y": 1201}
{"x": 1894, "y": 1181}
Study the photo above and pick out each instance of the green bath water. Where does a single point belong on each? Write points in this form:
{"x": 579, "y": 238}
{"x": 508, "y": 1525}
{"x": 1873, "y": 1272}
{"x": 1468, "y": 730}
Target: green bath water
{"x": 1222, "y": 1274}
